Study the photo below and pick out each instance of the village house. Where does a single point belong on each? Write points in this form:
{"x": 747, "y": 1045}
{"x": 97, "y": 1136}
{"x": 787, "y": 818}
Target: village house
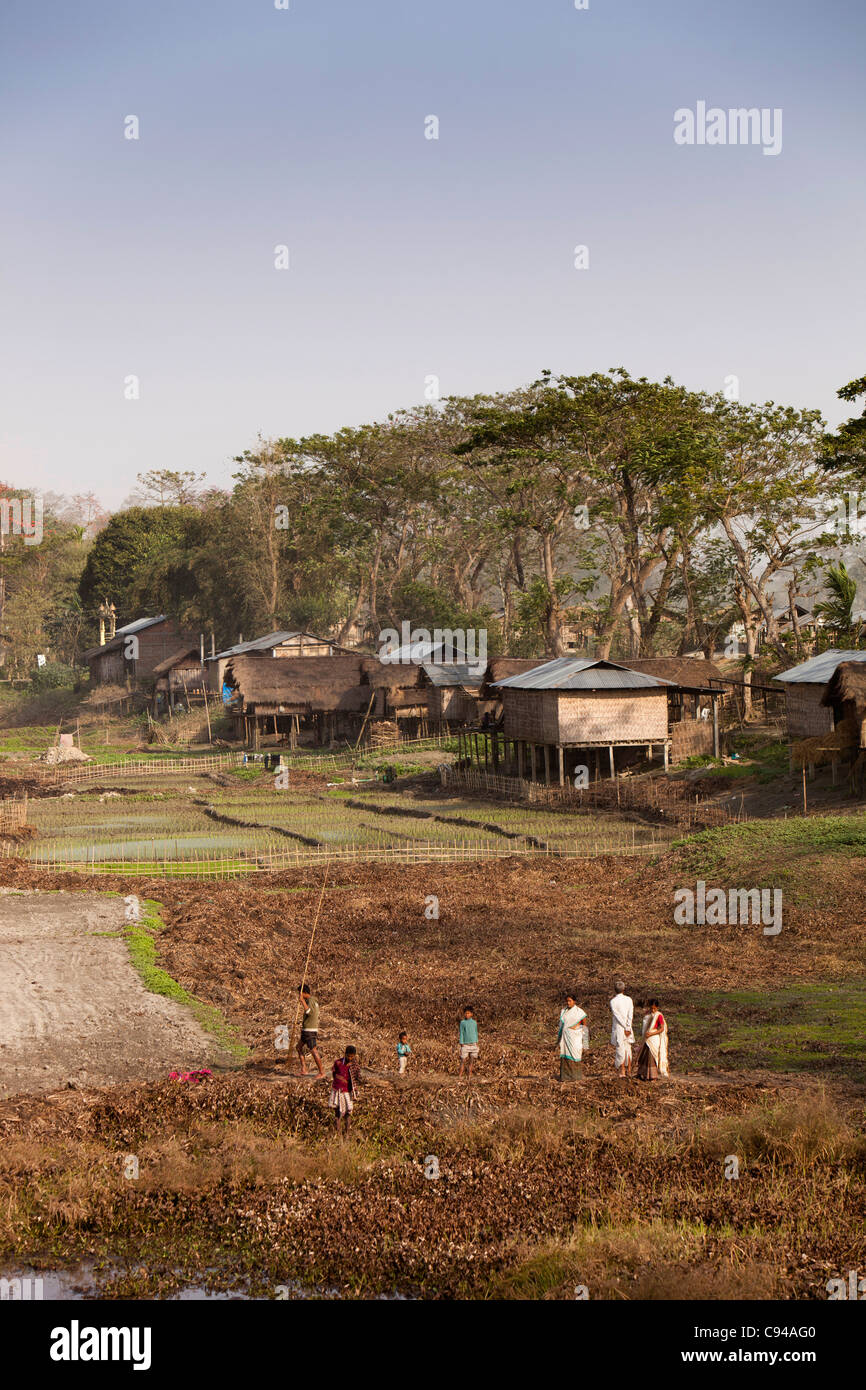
{"x": 695, "y": 697}
{"x": 277, "y": 644}
{"x": 571, "y": 712}
{"x": 318, "y": 700}
{"x": 807, "y": 714}
{"x": 178, "y": 680}
{"x": 398, "y": 694}
{"x": 452, "y": 691}
{"x": 133, "y": 651}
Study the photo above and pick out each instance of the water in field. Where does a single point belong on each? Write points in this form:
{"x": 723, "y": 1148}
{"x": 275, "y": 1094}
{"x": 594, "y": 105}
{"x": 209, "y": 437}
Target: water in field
{"x": 134, "y": 850}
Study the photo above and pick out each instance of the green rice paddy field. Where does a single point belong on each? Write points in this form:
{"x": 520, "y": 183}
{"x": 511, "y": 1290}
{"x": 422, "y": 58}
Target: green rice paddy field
{"x": 174, "y": 818}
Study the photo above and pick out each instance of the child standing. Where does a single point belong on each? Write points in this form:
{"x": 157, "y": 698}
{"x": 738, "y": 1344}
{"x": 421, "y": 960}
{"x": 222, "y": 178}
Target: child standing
{"x": 468, "y": 1041}
{"x": 345, "y": 1082}
{"x": 404, "y": 1052}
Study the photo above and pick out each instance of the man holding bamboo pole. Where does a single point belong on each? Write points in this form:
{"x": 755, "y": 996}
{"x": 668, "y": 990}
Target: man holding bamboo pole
{"x": 309, "y": 1030}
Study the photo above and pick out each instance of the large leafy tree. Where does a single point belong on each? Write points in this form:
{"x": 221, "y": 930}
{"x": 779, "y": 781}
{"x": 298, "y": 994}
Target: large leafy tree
{"x": 846, "y": 449}
{"x": 123, "y": 553}
{"x": 601, "y": 471}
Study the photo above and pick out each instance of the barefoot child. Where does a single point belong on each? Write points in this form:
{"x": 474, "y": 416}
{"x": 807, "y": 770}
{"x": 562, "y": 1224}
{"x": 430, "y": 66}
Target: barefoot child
{"x": 468, "y": 1041}
{"x": 404, "y": 1052}
{"x": 309, "y": 1030}
{"x": 345, "y": 1079}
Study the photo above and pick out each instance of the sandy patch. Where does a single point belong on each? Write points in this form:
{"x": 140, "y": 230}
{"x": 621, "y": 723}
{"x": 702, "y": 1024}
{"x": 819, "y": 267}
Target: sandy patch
{"x": 72, "y": 1008}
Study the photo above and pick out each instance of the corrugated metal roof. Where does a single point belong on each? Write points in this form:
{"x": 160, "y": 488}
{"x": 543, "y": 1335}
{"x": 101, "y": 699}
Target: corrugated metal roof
{"x": 412, "y": 654}
{"x": 270, "y": 639}
{"x": 121, "y": 634}
{"x": 455, "y": 672}
{"x": 818, "y": 669}
{"x": 138, "y": 625}
{"x": 582, "y": 673}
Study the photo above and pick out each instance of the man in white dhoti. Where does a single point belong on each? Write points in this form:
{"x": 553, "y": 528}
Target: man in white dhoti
{"x": 621, "y": 1035}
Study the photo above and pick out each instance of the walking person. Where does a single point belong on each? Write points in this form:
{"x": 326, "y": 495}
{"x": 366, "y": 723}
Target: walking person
{"x": 652, "y": 1061}
{"x": 570, "y": 1040}
{"x": 308, "y": 1041}
{"x": 404, "y": 1052}
{"x": 621, "y": 1035}
{"x": 468, "y": 1041}
{"x": 345, "y": 1085}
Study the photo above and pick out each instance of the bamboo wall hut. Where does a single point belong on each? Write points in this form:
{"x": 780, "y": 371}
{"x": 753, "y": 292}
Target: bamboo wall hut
{"x": 695, "y": 696}
{"x": 120, "y": 660}
{"x": 316, "y": 700}
{"x": 396, "y": 692}
{"x": 807, "y": 715}
{"x": 280, "y": 645}
{"x": 568, "y": 712}
{"x": 178, "y": 680}
{"x": 452, "y": 691}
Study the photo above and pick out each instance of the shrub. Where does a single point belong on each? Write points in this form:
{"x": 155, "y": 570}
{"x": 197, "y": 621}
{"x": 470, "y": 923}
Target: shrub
{"x": 51, "y": 676}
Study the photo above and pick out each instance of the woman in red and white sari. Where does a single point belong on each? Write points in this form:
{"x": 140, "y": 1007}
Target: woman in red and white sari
{"x": 652, "y": 1060}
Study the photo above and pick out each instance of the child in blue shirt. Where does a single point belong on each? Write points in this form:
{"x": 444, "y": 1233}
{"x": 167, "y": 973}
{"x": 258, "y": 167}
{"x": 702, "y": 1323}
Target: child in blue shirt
{"x": 404, "y": 1052}
{"x": 468, "y": 1041}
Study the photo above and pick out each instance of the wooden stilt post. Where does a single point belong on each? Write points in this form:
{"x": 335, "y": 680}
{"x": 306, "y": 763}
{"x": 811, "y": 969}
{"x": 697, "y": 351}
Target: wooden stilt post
{"x": 561, "y": 766}
{"x": 547, "y": 764}
{"x": 612, "y": 764}
{"x": 520, "y": 759}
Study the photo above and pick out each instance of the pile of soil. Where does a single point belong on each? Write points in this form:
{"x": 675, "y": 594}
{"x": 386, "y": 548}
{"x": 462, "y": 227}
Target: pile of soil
{"x": 53, "y": 756}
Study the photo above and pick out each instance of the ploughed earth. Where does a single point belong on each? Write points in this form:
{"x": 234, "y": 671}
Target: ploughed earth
{"x": 534, "y": 1189}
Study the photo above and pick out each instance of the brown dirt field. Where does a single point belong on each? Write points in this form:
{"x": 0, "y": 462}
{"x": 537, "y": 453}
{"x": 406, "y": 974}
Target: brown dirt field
{"x": 612, "y": 1184}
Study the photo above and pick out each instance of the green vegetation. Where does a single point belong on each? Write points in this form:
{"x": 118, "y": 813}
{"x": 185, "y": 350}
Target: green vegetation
{"x": 141, "y": 939}
{"x": 772, "y": 851}
{"x": 795, "y": 1028}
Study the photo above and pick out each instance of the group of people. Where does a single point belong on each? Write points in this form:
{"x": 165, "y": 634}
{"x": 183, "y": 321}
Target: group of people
{"x": 572, "y": 1040}
{"x": 652, "y": 1058}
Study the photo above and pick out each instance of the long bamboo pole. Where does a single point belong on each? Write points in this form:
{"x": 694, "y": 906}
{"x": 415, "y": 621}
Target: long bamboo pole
{"x": 307, "y": 961}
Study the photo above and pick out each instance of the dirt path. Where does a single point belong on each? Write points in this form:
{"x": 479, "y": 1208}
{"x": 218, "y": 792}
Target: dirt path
{"x": 72, "y": 1008}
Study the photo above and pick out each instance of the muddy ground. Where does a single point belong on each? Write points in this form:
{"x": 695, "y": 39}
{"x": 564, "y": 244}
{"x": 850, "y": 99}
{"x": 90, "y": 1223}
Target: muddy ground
{"x": 73, "y": 1012}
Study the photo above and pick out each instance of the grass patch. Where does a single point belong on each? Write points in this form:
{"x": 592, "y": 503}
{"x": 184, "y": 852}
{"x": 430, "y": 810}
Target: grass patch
{"x": 799, "y": 1028}
{"x": 758, "y": 845}
{"x": 141, "y": 940}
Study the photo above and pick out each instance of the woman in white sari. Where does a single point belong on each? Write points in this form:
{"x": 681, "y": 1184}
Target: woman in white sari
{"x": 652, "y": 1060}
{"x": 571, "y": 1039}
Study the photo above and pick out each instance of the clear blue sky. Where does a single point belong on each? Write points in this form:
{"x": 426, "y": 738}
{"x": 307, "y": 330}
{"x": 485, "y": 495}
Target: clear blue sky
{"x": 409, "y": 256}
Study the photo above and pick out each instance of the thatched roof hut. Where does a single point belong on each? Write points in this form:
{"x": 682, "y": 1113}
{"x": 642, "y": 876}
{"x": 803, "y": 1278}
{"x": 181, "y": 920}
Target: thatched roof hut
{"x": 400, "y": 687}
{"x": 316, "y": 685}
{"x": 846, "y": 696}
{"x": 687, "y": 672}
{"x": 181, "y": 665}
{"x": 502, "y": 668}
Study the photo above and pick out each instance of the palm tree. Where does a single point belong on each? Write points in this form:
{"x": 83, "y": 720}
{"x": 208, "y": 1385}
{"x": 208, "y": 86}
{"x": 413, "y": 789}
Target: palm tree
{"x": 837, "y": 610}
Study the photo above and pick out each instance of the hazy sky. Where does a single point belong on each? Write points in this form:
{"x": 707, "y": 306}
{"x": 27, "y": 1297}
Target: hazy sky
{"x": 408, "y": 256}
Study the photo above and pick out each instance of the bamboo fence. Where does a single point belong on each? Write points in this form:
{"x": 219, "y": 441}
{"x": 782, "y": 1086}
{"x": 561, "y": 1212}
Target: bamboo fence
{"x": 13, "y": 814}
{"x": 674, "y": 801}
{"x": 62, "y": 773}
{"x": 53, "y": 858}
